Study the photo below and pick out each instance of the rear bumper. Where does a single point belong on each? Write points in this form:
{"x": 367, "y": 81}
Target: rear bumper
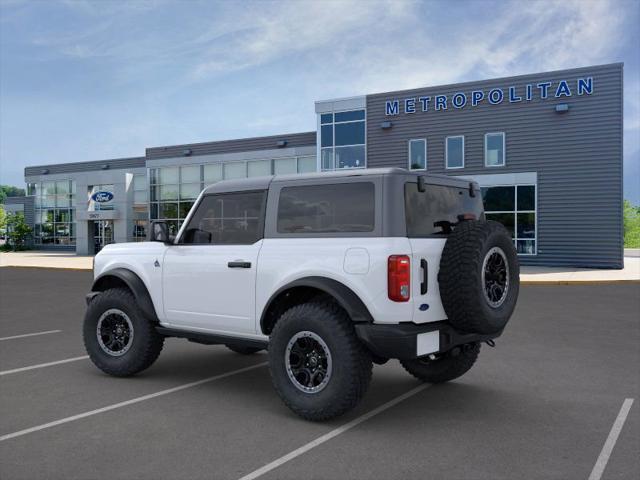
{"x": 406, "y": 341}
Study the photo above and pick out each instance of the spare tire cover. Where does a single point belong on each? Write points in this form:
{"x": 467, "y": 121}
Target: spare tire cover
{"x": 479, "y": 277}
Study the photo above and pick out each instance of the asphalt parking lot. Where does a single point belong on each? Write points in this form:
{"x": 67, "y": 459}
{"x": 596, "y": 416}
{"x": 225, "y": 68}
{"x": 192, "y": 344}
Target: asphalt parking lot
{"x": 541, "y": 404}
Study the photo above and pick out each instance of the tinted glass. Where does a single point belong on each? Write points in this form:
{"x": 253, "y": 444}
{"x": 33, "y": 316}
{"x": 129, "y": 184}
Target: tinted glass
{"x": 326, "y": 133}
{"x": 349, "y": 134}
{"x": 455, "y": 152}
{"x": 227, "y": 219}
{"x": 506, "y": 219}
{"x": 494, "y": 151}
{"x": 349, "y": 116}
{"x": 350, "y": 157}
{"x": 212, "y": 173}
{"x": 326, "y": 118}
{"x": 527, "y": 197}
{"x": 437, "y": 204}
{"x": 497, "y": 199}
{"x": 417, "y": 154}
{"x": 346, "y": 207}
{"x": 327, "y": 159}
{"x": 526, "y": 225}
{"x": 190, "y": 174}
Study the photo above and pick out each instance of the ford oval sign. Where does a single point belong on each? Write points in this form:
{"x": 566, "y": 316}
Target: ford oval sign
{"x": 102, "y": 197}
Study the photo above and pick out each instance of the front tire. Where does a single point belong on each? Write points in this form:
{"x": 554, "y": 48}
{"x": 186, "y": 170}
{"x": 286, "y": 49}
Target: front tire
{"x": 450, "y": 365}
{"x": 318, "y": 366}
{"x": 118, "y": 337}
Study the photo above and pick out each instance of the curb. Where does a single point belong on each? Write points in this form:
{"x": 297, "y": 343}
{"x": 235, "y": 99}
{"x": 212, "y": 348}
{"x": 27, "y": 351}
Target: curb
{"x": 631, "y": 281}
{"x": 80, "y": 269}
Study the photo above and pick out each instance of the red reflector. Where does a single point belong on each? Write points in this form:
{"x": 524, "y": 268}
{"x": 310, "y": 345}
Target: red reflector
{"x": 466, "y": 216}
{"x": 399, "y": 275}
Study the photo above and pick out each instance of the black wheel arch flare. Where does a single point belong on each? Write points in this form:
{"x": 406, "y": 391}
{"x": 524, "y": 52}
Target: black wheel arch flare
{"x": 343, "y": 295}
{"x": 133, "y": 282}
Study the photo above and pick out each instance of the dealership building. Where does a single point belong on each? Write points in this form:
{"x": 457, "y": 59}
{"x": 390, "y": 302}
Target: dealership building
{"x": 546, "y": 149}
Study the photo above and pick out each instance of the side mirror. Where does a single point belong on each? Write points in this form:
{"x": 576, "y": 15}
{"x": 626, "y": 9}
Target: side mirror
{"x": 160, "y": 232}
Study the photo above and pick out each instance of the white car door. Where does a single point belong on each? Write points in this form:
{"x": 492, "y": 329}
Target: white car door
{"x": 209, "y": 276}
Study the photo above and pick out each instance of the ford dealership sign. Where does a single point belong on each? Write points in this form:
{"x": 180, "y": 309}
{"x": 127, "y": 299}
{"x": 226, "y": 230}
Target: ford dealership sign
{"x": 493, "y": 96}
{"x": 102, "y": 197}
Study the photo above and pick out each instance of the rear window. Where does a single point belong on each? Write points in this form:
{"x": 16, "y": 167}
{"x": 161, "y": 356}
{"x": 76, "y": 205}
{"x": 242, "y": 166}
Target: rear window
{"x": 338, "y": 208}
{"x": 423, "y": 210}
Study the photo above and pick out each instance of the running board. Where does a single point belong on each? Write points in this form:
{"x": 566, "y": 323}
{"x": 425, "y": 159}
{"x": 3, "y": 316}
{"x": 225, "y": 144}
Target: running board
{"x": 212, "y": 338}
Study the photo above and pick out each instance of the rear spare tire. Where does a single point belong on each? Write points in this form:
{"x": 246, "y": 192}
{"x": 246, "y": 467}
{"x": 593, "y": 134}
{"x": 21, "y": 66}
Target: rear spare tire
{"x": 479, "y": 277}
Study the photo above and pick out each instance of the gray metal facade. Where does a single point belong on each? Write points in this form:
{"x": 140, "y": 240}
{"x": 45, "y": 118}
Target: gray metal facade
{"x": 290, "y": 140}
{"x": 574, "y": 158}
{"x": 577, "y": 155}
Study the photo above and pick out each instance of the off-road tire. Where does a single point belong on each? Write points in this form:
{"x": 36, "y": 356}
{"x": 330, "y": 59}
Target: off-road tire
{"x": 243, "y": 350}
{"x": 145, "y": 345}
{"x": 451, "y": 365}
{"x": 352, "y": 364}
{"x": 460, "y": 277}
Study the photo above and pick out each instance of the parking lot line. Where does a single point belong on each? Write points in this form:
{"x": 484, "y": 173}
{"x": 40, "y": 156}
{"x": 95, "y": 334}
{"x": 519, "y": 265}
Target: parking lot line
{"x": 603, "y": 458}
{"x": 43, "y": 365}
{"x": 30, "y": 335}
{"x": 128, "y": 402}
{"x": 332, "y": 434}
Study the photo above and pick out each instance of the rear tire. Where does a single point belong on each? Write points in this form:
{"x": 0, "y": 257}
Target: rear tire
{"x": 243, "y": 350}
{"x": 445, "y": 368}
{"x": 118, "y": 337}
{"x": 318, "y": 366}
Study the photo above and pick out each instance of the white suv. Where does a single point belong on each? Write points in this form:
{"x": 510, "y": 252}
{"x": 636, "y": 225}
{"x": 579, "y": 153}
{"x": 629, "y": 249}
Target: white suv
{"x": 328, "y": 271}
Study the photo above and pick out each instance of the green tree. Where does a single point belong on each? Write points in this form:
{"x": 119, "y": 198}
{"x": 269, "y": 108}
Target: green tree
{"x": 631, "y": 225}
{"x": 10, "y": 191}
{"x": 3, "y": 219}
{"x": 17, "y": 231}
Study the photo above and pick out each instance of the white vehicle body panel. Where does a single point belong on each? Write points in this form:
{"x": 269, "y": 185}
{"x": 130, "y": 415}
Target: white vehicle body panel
{"x": 140, "y": 258}
{"x": 429, "y": 249}
{"x": 358, "y": 263}
{"x": 200, "y": 290}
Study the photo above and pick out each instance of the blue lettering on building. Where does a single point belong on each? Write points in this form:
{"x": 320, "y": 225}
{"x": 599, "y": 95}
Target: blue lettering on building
{"x": 425, "y": 103}
{"x": 512, "y": 95}
{"x": 410, "y": 105}
{"x": 544, "y": 89}
{"x": 459, "y": 100}
{"x": 441, "y": 102}
{"x": 585, "y": 85}
{"x": 392, "y": 107}
{"x": 476, "y": 97}
{"x": 495, "y": 96}
{"x": 563, "y": 89}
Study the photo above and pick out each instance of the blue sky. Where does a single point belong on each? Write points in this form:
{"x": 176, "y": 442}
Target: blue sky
{"x": 86, "y": 80}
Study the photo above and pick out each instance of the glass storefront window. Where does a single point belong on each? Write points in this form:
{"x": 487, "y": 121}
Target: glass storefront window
{"x": 343, "y": 140}
{"x": 212, "y": 173}
{"x": 235, "y": 170}
{"x": 54, "y": 212}
{"x": 259, "y": 168}
{"x": 515, "y": 208}
{"x": 307, "y": 164}
{"x": 190, "y": 174}
{"x": 284, "y": 166}
{"x": 168, "y": 175}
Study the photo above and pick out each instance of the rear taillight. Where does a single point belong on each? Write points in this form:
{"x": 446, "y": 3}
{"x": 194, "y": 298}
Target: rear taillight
{"x": 399, "y": 278}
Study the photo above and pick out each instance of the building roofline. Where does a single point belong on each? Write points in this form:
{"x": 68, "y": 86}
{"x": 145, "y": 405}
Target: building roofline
{"x": 493, "y": 80}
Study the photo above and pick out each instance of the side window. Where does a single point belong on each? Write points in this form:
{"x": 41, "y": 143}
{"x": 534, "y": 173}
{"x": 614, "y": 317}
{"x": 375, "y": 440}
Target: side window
{"x": 227, "y": 219}
{"x": 338, "y": 208}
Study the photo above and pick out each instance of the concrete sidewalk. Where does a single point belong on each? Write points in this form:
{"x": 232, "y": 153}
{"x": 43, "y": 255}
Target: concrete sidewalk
{"x": 528, "y": 275}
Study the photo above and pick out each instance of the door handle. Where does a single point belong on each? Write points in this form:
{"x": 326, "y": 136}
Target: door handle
{"x": 239, "y": 264}
{"x": 425, "y": 276}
